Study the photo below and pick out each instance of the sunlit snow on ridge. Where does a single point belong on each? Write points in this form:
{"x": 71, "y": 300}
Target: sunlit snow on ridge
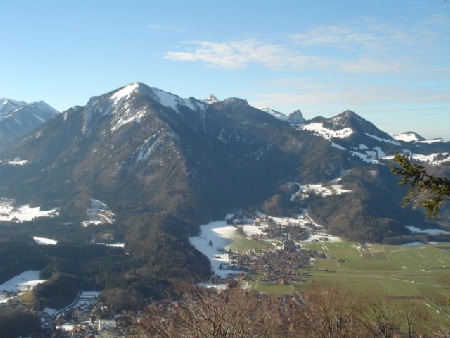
{"x": 124, "y": 93}
{"x": 383, "y": 139}
{"x": 326, "y": 133}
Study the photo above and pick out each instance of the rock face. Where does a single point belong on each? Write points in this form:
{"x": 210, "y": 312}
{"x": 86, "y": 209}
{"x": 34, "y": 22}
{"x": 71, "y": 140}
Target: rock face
{"x": 296, "y": 117}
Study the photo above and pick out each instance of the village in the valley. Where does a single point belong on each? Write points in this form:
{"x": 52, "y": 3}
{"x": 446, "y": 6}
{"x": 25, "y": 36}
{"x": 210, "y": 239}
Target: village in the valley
{"x": 279, "y": 263}
{"x": 282, "y": 261}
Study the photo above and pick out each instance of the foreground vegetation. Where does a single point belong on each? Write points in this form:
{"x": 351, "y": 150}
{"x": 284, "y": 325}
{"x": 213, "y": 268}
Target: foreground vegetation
{"x": 324, "y": 312}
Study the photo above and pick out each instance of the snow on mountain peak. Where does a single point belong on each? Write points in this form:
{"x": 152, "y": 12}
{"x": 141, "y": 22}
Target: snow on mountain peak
{"x": 274, "y": 113}
{"x": 124, "y": 92}
{"x": 211, "y": 99}
{"x": 174, "y": 101}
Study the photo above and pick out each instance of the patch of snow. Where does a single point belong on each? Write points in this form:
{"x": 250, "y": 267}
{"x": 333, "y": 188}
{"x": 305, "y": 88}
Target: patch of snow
{"x": 383, "y": 139}
{"x": 274, "y": 113}
{"x": 413, "y": 244}
{"x": 323, "y": 237}
{"x": 211, "y": 99}
{"x": 127, "y": 117}
{"x": 15, "y": 162}
{"x": 319, "y": 189}
{"x": 432, "y": 159}
{"x": 435, "y": 140}
{"x": 326, "y": 133}
{"x": 23, "y": 213}
{"x": 365, "y": 157}
{"x": 21, "y": 283}
{"x": 427, "y": 231}
{"x": 44, "y": 241}
{"x": 335, "y": 145}
{"x": 213, "y": 241}
{"x": 173, "y": 101}
{"x": 406, "y": 137}
{"x": 250, "y": 230}
{"x": 380, "y": 152}
{"x": 144, "y": 151}
{"x": 99, "y": 213}
{"x": 114, "y": 245}
{"x": 124, "y": 93}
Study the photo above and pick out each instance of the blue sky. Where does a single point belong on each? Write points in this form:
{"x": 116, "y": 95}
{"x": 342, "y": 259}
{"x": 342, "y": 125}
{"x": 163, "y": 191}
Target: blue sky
{"x": 387, "y": 60}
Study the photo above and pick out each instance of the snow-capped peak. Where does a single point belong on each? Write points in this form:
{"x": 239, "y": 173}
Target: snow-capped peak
{"x": 211, "y": 99}
{"x": 274, "y": 113}
{"x": 124, "y": 92}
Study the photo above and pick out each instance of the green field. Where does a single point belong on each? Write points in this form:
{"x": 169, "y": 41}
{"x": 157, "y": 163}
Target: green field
{"x": 400, "y": 271}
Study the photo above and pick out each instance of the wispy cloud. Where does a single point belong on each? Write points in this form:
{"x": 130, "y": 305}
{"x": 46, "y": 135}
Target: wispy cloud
{"x": 238, "y": 54}
{"x": 364, "y": 48}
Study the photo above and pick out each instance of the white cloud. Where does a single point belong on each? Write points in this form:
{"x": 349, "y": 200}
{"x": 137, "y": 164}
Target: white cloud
{"x": 366, "y": 47}
{"x": 238, "y": 54}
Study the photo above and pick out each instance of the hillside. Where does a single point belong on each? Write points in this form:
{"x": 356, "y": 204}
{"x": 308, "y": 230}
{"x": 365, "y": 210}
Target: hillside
{"x": 147, "y": 167}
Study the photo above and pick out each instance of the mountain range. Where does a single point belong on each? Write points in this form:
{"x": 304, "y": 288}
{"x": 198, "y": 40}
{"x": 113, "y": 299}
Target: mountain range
{"x": 18, "y": 118}
{"x": 164, "y": 164}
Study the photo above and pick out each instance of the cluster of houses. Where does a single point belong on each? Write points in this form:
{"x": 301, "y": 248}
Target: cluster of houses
{"x": 81, "y": 319}
{"x": 279, "y": 265}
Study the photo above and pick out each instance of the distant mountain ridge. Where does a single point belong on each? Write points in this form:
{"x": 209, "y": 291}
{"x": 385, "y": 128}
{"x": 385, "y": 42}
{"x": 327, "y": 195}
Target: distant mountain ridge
{"x": 173, "y": 163}
{"x": 18, "y": 118}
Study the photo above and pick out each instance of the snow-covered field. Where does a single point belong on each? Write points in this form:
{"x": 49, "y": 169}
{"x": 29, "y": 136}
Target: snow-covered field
{"x": 8, "y": 212}
{"x": 213, "y": 241}
{"x": 20, "y": 283}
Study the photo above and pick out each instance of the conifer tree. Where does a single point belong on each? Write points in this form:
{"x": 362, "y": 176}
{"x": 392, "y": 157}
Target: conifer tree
{"x": 424, "y": 190}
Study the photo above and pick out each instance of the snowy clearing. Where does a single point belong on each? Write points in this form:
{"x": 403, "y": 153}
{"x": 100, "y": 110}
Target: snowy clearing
{"x": 427, "y": 231}
{"x": 44, "y": 241}
{"x": 213, "y": 243}
{"x": 99, "y": 213}
{"x": 328, "y": 134}
{"x": 26, "y": 281}
{"x": 24, "y": 213}
{"x": 318, "y": 189}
